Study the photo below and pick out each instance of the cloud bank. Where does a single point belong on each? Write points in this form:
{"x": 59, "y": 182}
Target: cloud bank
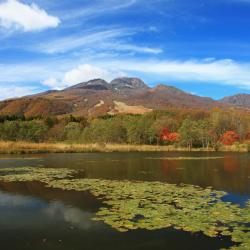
{"x": 82, "y": 73}
{"x": 223, "y": 72}
{"x": 12, "y": 91}
{"x": 209, "y": 71}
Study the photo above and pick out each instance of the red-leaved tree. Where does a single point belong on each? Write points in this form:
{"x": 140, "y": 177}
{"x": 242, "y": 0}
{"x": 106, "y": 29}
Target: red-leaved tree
{"x": 173, "y": 137}
{"x": 164, "y": 134}
{"x": 229, "y": 137}
{"x": 170, "y": 137}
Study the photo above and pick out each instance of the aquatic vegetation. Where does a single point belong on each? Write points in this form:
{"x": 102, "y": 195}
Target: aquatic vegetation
{"x": 19, "y": 158}
{"x": 130, "y": 205}
{"x": 188, "y": 158}
{"x": 34, "y": 174}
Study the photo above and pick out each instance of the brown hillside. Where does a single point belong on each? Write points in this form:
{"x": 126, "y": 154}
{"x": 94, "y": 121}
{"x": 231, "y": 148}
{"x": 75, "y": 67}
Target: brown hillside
{"x": 97, "y": 97}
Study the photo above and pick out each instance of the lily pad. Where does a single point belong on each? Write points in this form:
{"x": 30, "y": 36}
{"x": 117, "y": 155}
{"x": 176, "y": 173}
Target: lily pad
{"x": 131, "y": 205}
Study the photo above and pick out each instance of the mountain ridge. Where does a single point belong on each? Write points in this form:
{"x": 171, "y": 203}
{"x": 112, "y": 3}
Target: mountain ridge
{"x": 241, "y": 100}
{"x": 121, "y": 95}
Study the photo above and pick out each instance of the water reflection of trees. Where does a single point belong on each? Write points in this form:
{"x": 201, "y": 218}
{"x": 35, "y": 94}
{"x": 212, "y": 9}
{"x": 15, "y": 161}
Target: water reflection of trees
{"x": 227, "y": 174}
{"x": 230, "y": 165}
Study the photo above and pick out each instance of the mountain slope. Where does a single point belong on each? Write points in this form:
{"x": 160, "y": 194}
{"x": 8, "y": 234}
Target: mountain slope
{"x": 240, "y": 100}
{"x": 128, "y": 83}
{"x": 98, "y": 97}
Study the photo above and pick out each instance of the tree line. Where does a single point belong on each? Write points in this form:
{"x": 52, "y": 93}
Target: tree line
{"x": 200, "y": 129}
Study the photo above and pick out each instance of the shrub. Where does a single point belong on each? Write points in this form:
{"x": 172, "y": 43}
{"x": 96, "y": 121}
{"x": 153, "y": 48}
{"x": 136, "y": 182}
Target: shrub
{"x": 229, "y": 138}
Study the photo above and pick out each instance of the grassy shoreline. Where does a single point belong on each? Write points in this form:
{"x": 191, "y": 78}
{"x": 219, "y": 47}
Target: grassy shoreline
{"x": 21, "y": 147}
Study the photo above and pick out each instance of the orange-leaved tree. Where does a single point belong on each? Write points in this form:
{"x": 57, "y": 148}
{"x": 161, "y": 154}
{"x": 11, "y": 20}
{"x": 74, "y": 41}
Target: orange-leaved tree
{"x": 170, "y": 137}
{"x": 229, "y": 137}
{"x": 173, "y": 137}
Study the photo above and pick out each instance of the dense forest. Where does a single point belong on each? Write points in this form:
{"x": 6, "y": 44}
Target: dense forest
{"x": 192, "y": 129}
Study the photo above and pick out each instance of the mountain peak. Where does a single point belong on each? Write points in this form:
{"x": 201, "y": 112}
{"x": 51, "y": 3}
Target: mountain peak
{"x": 128, "y": 83}
{"x": 98, "y": 97}
{"x": 121, "y": 83}
{"x": 95, "y": 84}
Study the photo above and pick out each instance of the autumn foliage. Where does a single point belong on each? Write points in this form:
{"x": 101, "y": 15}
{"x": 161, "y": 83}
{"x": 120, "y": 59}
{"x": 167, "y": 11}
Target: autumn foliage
{"x": 229, "y": 137}
{"x": 170, "y": 137}
{"x": 187, "y": 128}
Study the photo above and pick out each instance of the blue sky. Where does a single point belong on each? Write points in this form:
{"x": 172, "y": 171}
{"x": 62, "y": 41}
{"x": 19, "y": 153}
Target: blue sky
{"x": 201, "y": 46}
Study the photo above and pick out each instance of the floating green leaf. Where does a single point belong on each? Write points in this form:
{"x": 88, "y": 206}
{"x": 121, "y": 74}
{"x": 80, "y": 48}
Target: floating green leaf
{"x": 44, "y": 175}
{"x": 130, "y": 205}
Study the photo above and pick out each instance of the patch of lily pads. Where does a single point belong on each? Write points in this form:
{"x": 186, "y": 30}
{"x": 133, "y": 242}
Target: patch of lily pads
{"x": 45, "y": 175}
{"x": 131, "y": 205}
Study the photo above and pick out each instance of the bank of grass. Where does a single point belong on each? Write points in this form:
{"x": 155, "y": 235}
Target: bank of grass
{"x": 21, "y": 147}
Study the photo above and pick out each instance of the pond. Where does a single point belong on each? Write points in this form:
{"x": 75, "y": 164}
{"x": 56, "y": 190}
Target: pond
{"x": 125, "y": 201}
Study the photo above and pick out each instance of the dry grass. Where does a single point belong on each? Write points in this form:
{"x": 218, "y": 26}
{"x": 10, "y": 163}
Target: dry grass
{"x": 244, "y": 147}
{"x": 123, "y": 108}
{"x": 28, "y": 147}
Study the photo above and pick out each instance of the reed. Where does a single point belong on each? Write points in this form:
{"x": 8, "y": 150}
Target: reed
{"x": 22, "y": 147}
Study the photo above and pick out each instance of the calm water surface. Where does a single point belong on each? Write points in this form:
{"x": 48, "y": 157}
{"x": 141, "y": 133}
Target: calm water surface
{"x": 35, "y": 217}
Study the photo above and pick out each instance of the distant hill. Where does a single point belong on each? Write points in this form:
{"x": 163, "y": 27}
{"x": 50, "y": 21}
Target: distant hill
{"x": 122, "y": 95}
{"x": 240, "y": 100}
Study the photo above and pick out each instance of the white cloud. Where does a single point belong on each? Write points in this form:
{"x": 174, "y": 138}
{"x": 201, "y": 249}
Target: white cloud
{"x": 52, "y": 83}
{"x": 17, "y": 15}
{"x": 130, "y": 47}
{"x": 13, "y": 91}
{"x": 100, "y": 8}
{"x": 223, "y": 72}
{"x": 226, "y": 72}
{"x": 31, "y": 72}
{"x": 89, "y": 38}
{"x": 87, "y": 72}
{"x": 108, "y": 39}
{"x": 82, "y": 73}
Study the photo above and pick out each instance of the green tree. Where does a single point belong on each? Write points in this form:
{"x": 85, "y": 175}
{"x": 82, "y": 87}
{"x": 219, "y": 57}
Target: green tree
{"x": 72, "y": 132}
{"x": 139, "y": 129}
{"x": 188, "y": 132}
{"x": 105, "y": 131}
{"x": 204, "y": 135}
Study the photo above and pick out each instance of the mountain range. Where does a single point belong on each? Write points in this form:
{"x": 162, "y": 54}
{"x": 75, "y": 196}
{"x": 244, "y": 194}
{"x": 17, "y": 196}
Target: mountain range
{"x": 122, "y": 95}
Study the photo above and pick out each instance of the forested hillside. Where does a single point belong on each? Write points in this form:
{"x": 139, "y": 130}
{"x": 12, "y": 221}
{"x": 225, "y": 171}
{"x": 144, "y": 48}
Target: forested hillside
{"x": 200, "y": 129}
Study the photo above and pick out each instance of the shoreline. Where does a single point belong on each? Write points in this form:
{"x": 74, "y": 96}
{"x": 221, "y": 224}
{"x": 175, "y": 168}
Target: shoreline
{"x": 20, "y": 147}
